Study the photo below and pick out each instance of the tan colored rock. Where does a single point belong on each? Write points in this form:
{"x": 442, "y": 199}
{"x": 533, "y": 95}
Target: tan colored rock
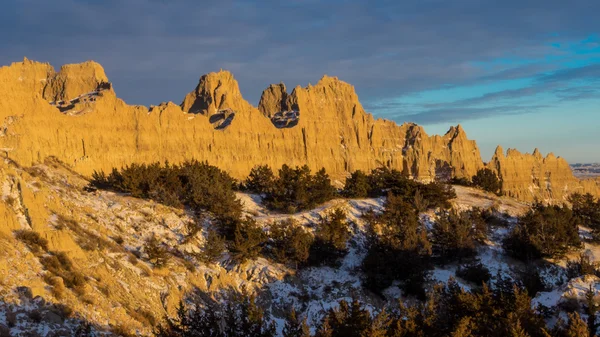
{"x": 215, "y": 91}
{"x": 532, "y": 177}
{"x": 74, "y": 80}
{"x": 214, "y": 123}
{"x": 273, "y": 100}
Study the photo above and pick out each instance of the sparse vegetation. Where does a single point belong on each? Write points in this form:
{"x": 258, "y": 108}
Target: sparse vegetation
{"x": 213, "y": 248}
{"x": 85, "y": 238}
{"x": 398, "y": 248}
{"x": 582, "y": 266}
{"x": 249, "y": 240}
{"x": 294, "y": 189}
{"x": 545, "y": 231}
{"x": 33, "y": 241}
{"x": 59, "y": 264}
{"x": 332, "y": 235}
{"x": 289, "y": 242}
{"x": 157, "y": 253}
{"x": 455, "y": 234}
{"x": 487, "y": 180}
{"x": 203, "y": 187}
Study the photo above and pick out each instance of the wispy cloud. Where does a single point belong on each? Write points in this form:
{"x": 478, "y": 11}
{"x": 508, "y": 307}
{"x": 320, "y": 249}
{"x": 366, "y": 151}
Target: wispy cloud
{"x": 158, "y": 49}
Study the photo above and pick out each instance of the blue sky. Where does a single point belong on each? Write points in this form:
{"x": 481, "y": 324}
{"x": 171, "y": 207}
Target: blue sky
{"x": 522, "y": 74}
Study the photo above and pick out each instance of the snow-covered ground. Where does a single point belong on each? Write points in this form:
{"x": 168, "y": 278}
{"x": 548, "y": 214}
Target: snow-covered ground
{"x": 312, "y": 291}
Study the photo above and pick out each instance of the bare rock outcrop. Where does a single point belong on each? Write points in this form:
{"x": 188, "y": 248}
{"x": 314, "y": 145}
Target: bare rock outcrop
{"x": 273, "y": 100}
{"x": 215, "y": 92}
{"x": 73, "y": 80}
{"x": 321, "y": 125}
{"x": 532, "y": 177}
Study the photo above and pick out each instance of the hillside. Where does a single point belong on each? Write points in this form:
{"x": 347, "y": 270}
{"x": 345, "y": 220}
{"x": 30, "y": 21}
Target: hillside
{"x": 103, "y": 233}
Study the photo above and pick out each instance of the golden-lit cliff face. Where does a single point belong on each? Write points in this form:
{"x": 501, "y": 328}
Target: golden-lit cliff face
{"x": 534, "y": 177}
{"x": 324, "y": 125}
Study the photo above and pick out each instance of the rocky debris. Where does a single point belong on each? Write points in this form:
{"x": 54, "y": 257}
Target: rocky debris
{"x": 334, "y": 132}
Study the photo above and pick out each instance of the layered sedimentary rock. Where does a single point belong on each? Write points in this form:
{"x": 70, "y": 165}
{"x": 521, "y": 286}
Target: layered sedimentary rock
{"x": 534, "y": 177}
{"x": 75, "y": 115}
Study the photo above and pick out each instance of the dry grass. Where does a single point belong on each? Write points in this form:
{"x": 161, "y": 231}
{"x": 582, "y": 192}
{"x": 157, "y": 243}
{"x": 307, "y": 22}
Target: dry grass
{"x": 33, "y": 240}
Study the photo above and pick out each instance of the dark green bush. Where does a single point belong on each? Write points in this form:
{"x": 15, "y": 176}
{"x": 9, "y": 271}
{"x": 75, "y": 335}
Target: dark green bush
{"x": 487, "y": 180}
{"x": 213, "y": 248}
{"x": 460, "y": 181}
{"x": 296, "y": 189}
{"x": 455, "y": 234}
{"x": 382, "y": 181}
{"x": 157, "y": 253}
{"x": 203, "y": 187}
{"x": 331, "y": 238}
{"x": 249, "y": 240}
{"x": 545, "y": 231}
{"x": 289, "y": 242}
{"x": 474, "y": 272}
{"x": 357, "y": 185}
{"x": 261, "y": 180}
{"x": 398, "y": 248}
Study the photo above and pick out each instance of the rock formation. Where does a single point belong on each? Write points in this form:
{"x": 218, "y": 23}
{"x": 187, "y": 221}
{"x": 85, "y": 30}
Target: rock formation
{"x": 533, "y": 177}
{"x": 75, "y": 116}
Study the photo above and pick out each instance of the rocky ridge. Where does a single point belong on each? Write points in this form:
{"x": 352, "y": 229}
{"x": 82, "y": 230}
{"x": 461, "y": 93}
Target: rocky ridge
{"x": 323, "y": 125}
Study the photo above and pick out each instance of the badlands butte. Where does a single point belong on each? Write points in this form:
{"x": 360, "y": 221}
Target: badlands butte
{"x": 75, "y": 116}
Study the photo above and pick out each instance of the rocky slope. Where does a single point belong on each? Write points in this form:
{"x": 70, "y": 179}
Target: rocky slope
{"x": 102, "y": 233}
{"x": 75, "y": 115}
{"x": 103, "y": 236}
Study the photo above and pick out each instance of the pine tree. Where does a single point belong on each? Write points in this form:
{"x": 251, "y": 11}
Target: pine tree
{"x": 321, "y": 189}
{"x": 213, "y": 248}
{"x": 290, "y": 243}
{"x": 517, "y": 331}
{"x": 333, "y": 228}
{"x": 294, "y": 327}
{"x": 260, "y": 180}
{"x": 331, "y": 237}
{"x": 357, "y": 185}
{"x": 253, "y": 320}
{"x": 488, "y": 181}
{"x": 591, "y": 307}
{"x": 576, "y": 327}
{"x": 248, "y": 241}
{"x": 157, "y": 253}
{"x": 324, "y": 329}
{"x": 464, "y": 328}
{"x": 453, "y": 236}
{"x": 379, "y": 326}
